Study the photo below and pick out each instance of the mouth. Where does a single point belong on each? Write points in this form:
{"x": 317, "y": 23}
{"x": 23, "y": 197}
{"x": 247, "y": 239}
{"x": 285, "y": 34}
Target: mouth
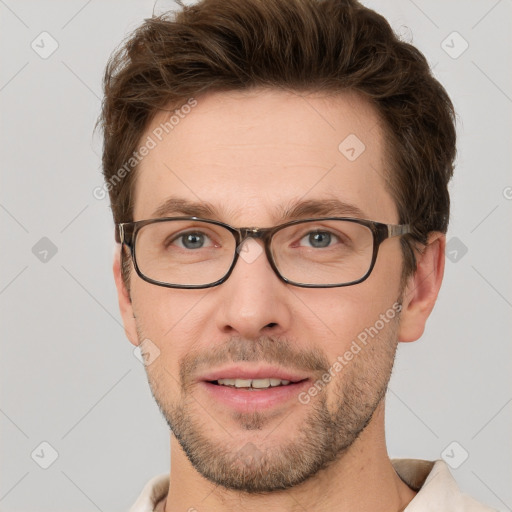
{"x": 245, "y": 389}
{"x": 256, "y": 377}
{"x": 254, "y": 384}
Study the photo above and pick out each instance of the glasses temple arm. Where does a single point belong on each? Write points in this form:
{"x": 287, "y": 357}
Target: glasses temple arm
{"x": 119, "y": 233}
{"x": 402, "y": 229}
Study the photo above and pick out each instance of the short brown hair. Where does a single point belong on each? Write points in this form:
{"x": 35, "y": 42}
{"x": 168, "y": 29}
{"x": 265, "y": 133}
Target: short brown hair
{"x": 299, "y": 45}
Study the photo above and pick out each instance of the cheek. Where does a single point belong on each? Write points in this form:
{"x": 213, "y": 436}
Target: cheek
{"x": 348, "y": 316}
{"x": 170, "y": 319}
{"x": 164, "y": 311}
{"x": 338, "y": 316}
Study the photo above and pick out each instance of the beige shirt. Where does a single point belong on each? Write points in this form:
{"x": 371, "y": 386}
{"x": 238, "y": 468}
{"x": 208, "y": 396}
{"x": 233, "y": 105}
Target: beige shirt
{"x": 436, "y": 487}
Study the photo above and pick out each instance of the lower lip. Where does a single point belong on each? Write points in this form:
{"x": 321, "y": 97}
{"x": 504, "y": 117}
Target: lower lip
{"x": 247, "y": 400}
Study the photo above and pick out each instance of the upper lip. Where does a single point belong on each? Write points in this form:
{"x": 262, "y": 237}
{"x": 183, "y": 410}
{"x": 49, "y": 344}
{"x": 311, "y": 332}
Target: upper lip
{"x": 260, "y": 372}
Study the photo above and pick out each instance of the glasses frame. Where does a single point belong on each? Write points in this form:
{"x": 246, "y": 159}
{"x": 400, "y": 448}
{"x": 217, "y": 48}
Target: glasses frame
{"x": 126, "y": 234}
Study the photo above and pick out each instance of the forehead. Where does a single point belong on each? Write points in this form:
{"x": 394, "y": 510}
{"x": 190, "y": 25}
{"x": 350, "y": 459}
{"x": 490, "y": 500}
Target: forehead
{"x": 251, "y": 155}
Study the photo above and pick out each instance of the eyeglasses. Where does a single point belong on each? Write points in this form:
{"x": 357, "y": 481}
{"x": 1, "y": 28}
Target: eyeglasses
{"x": 190, "y": 252}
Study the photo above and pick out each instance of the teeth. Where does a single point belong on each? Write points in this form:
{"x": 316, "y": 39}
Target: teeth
{"x": 259, "y": 383}
{"x": 253, "y": 383}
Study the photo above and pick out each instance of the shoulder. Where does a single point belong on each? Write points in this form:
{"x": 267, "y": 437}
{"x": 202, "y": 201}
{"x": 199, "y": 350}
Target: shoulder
{"x": 436, "y": 488}
{"x": 154, "y": 491}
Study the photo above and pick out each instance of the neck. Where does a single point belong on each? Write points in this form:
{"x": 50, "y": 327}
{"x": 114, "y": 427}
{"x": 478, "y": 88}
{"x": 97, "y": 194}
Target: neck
{"x": 362, "y": 479}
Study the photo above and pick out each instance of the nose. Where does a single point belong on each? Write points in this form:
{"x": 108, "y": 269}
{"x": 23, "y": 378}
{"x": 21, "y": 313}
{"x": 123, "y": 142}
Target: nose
{"x": 253, "y": 301}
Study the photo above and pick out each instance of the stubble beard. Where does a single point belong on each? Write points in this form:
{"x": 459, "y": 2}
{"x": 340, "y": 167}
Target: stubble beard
{"x": 248, "y": 459}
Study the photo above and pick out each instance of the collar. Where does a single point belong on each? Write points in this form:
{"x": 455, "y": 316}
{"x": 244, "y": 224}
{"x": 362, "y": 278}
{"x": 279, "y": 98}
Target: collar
{"x": 432, "y": 480}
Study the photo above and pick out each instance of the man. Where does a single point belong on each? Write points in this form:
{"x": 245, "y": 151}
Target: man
{"x": 278, "y": 176}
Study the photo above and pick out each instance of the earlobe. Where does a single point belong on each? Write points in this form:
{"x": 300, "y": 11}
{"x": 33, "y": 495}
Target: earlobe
{"x": 422, "y": 288}
{"x": 124, "y": 299}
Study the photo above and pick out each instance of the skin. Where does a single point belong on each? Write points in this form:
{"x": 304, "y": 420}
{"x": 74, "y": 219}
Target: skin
{"x": 248, "y": 153}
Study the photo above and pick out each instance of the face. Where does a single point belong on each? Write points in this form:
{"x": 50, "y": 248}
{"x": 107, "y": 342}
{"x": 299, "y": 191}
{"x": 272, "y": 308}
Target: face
{"x": 250, "y": 156}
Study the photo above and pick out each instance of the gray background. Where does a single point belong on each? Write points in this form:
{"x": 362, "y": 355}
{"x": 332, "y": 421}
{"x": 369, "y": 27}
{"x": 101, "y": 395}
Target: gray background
{"x": 69, "y": 376}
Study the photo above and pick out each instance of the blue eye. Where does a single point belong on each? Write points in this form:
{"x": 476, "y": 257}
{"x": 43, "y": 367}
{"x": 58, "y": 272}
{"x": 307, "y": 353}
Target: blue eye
{"x": 192, "y": 240}
{"x": 319, "y": 239}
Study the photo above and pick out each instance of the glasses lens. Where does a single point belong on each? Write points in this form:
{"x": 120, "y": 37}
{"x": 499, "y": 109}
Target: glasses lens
{"x": 184, "y": 252}
{"x": 323, "y": 252}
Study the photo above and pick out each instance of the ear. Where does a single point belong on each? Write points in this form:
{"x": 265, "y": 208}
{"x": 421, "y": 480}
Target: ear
{"x": 422, "y": 288}
{"x": 124, "y": 299}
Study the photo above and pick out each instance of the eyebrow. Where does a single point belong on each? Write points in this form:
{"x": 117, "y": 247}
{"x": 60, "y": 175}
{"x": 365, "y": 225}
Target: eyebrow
{"x": 328, "y": 207}
{"x": 176, "y": 206}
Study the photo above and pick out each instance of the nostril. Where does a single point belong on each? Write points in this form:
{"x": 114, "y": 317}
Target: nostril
{"x": 271, "y": 324}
